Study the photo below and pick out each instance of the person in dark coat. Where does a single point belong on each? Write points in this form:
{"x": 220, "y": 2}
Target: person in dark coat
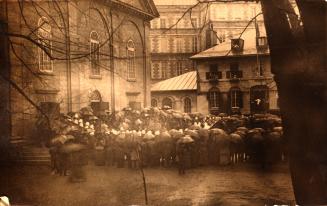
{"x": 181, "y": 158}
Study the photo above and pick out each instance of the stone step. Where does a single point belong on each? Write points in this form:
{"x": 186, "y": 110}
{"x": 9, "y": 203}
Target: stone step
{"x": 33, "y": 162}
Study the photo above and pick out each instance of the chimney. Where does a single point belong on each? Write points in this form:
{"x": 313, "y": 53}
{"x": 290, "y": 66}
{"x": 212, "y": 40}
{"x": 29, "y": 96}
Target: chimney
{"x": 211, "y": 37}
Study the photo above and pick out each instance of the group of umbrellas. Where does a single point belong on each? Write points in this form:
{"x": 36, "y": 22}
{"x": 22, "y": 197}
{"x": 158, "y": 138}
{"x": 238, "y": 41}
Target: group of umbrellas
{"x": 167, "y": 125}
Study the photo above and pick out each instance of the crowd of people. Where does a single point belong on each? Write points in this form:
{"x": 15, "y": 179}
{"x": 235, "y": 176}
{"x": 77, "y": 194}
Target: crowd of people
{"x": 163, "y": 137}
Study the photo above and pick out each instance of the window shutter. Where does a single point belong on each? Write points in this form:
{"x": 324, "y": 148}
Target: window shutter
{"x": 228, "y": 76}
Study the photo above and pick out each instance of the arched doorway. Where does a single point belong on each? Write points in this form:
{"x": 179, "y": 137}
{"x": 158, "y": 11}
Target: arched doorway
{"x": 167, "y": 102}
{"x": 95, "y": 96}
{"x": 259, "y": 99}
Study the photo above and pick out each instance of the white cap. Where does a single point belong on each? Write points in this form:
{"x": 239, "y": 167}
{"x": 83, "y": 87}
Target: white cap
{"x": 4, "y": 201}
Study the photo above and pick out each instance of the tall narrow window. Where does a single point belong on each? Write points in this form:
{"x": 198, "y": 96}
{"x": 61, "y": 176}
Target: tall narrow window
{"x": 179, "y": 68}
{"x": 131, "y": 60}
{"x": 261, "y": 68}
{"x": 163, "y": 23}
{"x": 163, "y": 70}
{"x": 195, "y": 44}
{"x": 155, "y": 70}
{"x": 187, "y": 105}
{"x": 179, "y": 45}
{"x": 236, "y": 97}
{"x": 44, "y": 49}
{"x": 95, "y": 53}
{"x": 213, "y": 97}
{"x": 194, "y": 22}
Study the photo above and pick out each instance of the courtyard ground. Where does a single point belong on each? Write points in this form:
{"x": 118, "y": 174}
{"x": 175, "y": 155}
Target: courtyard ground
{"x": 243, "y": 184}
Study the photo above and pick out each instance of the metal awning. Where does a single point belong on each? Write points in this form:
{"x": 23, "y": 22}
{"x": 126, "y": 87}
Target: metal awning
{"x": 183, "y": 82}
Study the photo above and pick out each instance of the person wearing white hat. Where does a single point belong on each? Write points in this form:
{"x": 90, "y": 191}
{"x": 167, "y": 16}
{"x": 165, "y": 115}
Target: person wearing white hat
{"x": 4, "y": 201}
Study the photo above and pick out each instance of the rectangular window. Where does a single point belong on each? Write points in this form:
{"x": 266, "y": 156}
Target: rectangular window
{"x": 45, "y": 63}
{"x": 179, "y": 45}
{"x": 163, "y": 70}
{"x": 214, "y": 100}
{"x": 261, "y": 68}
{"x": 95, "y": 58}
{"x": 163, "y": 23}
{"x": 234, "y": 71}
{"x": 213, "y": 68}
{"x": 194, "y": 22}
{"x": 195, "y": 44}
{"x": 179, "y": 68}
{"x": 131, "y": 65}
{"x": 155, "y": 70}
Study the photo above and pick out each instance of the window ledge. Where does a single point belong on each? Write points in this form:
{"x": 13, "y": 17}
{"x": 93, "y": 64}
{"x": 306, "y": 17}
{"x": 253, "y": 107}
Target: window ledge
{"x": 95, "y": 76}
{"x": 48, "y": 73}
{"x": 131, "y": 79}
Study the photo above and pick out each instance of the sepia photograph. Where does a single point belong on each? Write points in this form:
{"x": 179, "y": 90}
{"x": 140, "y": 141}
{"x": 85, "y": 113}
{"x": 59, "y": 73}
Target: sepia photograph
{"x": 163, "y": 102}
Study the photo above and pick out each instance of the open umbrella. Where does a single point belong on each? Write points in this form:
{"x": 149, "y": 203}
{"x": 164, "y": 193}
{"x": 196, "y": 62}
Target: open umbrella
{"x": 86, "y": 111}
{"x": 166, "y": 107}
{"x": 177, "y": 115}
{"x": 192, "y": 133}
{"x": 73, "y": 147}
{"x": 61, "y": 139}
{"x": 236, "y": 138}
{"x": 185, "y": 140}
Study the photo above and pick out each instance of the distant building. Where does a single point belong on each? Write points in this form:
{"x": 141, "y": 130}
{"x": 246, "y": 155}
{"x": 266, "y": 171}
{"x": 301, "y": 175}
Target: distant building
{"x": 180, "y": 32}
{"x": 179, "y": 93}
{"x": 235, "y": 77}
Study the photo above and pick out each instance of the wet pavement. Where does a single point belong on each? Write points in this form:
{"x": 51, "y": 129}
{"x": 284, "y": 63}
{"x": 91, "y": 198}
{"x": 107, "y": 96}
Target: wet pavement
{"x": 243, "y": 184}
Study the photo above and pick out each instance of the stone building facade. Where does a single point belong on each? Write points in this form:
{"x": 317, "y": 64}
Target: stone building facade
{"x": 179, "y": 93}
{"x": 235, "y": 77}
{"x": 181, "y": 32}
{"x": 66, "y": 55}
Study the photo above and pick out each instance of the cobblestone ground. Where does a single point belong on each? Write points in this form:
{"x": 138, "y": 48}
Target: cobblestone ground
{"x": 105, "y": 186}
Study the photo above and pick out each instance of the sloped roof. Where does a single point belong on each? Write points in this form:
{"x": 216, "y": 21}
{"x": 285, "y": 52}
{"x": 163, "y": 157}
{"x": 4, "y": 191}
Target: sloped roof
{"x": 183, "y": 82}
{"x": 224, "y": 49}
{"x": 146, "y": 6}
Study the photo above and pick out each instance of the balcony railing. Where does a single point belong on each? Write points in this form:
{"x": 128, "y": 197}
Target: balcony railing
{"x": 213, "y": 76}
{"x": 234, "y": 75}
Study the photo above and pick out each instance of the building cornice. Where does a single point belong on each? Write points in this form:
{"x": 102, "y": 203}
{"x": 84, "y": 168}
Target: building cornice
{"x": 122, "y": 6}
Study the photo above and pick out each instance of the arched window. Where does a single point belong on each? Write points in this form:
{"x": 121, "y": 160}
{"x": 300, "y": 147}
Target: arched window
{"x": 213, "y": 97}
{"x": 95, "y": 96}
{"x": 236, "y": 97}
{"x": 131, "y": 60}
{"x": 44, "y": 49}
{"x": 154, "y": 103}
{"x": 187, "y": 105}
{"x": 167, "y": 102}
{"x": 95, "y": 53}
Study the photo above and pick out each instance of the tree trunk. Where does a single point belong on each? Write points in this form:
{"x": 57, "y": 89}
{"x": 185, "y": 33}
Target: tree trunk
{"x": 5, "y": 120}
{"x": 298, "y": 62}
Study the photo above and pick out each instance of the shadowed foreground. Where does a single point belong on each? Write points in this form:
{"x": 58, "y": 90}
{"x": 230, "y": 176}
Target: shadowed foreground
{"x": 239, "y": 185}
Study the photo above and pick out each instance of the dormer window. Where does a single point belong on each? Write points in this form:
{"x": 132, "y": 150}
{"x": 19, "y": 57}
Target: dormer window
{"x": 237, "y": 45}
{"x": 262, "y": 42}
